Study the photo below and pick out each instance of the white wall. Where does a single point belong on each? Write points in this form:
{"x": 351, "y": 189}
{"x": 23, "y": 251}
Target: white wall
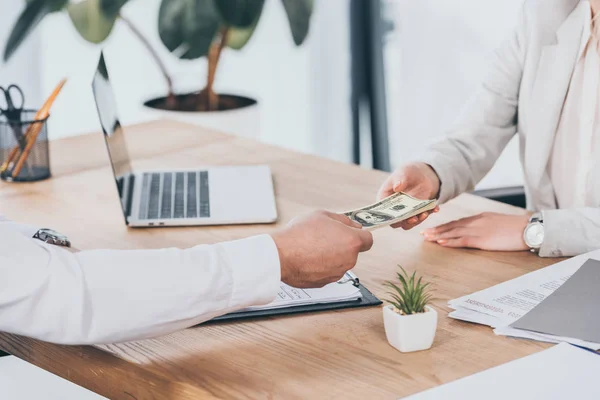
{"x": 330, "y": 81}
{"x": 290, "y": 83}
{"x": 437, "y": 55}
{"x": 25, "y": 68}
{"x": 434, "y": 60}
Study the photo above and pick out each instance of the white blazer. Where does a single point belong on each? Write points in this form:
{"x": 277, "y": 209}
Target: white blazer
{"x": 524, "y": 94}
{"x": 110, "y": 296}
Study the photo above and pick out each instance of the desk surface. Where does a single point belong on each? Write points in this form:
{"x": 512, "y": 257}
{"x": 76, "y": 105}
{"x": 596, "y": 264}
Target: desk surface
{"x": 342, "y": 354}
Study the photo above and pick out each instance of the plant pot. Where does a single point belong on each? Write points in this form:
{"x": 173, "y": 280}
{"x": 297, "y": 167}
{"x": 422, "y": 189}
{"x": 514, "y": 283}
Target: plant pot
{"x": 237, "y": 115}
{"x": 410, "y": 332}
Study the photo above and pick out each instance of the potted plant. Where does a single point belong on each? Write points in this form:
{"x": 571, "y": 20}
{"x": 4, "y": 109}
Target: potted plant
{"x": 410, "y": 323}
{"x": 189, "y": 29}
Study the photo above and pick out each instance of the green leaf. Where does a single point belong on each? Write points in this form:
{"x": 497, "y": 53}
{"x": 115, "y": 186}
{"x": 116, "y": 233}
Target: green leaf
{"x": 396, "y": 301}
{"x": 239, "y": 13}
{"x": 237, "y": 38}
{"x": 111, "y": 8}
{"x": 393, "y": 286}
{"x": 413, "y": 296}
{"x": 188, "y": 27}
{"x": 397, "y": 298}
{"x": 299, "y": 13}
{"x": 91, "y": 21}
{"x": 34, "y": 12}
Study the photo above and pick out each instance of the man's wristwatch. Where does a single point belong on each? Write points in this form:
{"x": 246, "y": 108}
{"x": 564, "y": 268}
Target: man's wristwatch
{"x": 534, "y": 232}
{"x": 52, "y": 237}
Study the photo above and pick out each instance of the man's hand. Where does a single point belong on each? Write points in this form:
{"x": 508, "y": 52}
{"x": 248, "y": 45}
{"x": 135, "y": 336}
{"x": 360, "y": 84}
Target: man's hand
{"x": 487, "y": 231}
{"x": 318, "y": 249}
{"x": 416, "y": 179}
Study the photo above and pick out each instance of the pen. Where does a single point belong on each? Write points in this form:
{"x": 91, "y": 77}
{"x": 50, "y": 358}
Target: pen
{"x": 350, "y": 277}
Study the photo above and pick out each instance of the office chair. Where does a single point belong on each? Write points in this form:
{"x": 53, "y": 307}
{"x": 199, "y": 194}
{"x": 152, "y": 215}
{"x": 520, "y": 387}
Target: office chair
{"x": 513, "y": 195}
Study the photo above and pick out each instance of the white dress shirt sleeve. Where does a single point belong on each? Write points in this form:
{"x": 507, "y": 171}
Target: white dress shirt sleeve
{"x": 110, "y": 296}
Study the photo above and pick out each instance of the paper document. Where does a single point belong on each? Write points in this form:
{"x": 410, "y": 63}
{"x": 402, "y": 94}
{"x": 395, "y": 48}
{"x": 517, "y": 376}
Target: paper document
{"x": 290, "y": 297}
{"x": 559, "y": 373}
{"x": 503, "y": 304}
{"x": 572, "y": 310}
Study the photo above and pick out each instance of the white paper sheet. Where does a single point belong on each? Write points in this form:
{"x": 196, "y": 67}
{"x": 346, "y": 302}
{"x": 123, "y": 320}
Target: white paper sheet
{"x": 289, "y": 296}
{"x": 542, "y": 337}
{"x": 465, "y": 314}
{"x": 559, "y": 373}
{"x": 501, "y": 305}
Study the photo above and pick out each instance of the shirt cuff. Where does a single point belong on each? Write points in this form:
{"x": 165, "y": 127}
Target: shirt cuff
{"x": 24, "y": 229}
{"x": 255, "y": 269}
{"x": 565, "y": 234}
{"x": 551, "y": 243}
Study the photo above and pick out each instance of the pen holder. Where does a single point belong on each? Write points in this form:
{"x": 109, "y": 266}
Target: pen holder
{"x": 24, "y": 155}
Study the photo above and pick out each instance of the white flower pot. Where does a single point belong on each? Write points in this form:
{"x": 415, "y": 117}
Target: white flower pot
{"x": 410, "y": 332}
{"x": 244, "y": 121}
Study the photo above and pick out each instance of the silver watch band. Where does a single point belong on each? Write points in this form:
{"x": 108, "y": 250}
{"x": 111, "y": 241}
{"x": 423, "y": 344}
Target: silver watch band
{"x": 52, "y": 237}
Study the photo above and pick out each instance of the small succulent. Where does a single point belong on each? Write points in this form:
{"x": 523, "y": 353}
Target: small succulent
{"x": 411, "y": 296}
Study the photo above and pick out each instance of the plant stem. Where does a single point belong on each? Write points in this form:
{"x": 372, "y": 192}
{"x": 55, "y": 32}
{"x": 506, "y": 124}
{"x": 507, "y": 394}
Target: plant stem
{"x": 137, "y": 33}
{"x": 214, "y": 55}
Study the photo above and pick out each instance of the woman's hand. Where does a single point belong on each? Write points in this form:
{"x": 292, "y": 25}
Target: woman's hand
{"x": 416, "y": 179}
{"x": 487, "y": 231}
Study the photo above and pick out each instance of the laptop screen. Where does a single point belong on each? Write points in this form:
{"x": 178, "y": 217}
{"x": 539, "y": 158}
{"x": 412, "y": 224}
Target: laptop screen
{"x": 106, "y": 105}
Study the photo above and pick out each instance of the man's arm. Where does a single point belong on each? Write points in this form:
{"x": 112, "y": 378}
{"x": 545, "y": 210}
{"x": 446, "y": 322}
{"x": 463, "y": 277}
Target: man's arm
{"x": 570, "y": 232}
{"x": 108, "y": 296}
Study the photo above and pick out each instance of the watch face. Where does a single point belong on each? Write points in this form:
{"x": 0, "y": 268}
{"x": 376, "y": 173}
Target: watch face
{"x": 54, "y": 233}
{"x": 534, "y": 235}
{"x": 53, "y": 237}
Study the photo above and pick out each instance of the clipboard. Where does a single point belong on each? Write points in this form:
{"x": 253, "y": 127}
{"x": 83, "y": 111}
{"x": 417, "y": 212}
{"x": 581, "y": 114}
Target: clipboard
{"x": 368, "y": 299}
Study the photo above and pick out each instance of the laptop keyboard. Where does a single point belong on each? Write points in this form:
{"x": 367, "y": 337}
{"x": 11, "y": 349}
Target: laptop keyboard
{"x": 175, "y": 195}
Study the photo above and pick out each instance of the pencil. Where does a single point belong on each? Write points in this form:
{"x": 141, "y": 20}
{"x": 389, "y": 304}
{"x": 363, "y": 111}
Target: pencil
{"x": 34, "y": 129}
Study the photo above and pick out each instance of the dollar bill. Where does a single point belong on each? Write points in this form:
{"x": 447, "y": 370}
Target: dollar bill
{"x": 395, "y": 208}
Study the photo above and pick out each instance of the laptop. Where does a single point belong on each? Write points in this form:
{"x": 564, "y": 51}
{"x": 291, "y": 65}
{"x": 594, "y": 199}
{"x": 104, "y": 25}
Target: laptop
{"x": 203, "y": 196}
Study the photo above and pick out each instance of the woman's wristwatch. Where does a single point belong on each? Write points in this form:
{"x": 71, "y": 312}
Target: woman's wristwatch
{"x": 534, "y": 232}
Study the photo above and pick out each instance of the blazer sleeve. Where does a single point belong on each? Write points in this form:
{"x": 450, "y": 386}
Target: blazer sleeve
{"x": 570, "y": 232}
{"x": 487, "y": 124}
{"x": 109, "y": 296}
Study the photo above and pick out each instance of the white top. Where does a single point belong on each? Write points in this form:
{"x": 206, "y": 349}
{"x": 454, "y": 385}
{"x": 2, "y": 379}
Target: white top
{"x": 110, "y": 296}
{"x": 574, "y": 163}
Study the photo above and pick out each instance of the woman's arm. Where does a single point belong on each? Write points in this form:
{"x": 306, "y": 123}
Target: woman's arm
{"x": 570, "y": 232}
{"x": 487, "y": 124}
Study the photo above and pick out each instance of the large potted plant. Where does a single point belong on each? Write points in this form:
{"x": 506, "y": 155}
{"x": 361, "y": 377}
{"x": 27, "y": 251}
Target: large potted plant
{"x": 189, "y": 29}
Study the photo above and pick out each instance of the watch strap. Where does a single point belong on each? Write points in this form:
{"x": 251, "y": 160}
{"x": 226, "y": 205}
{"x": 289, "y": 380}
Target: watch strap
{"x": 537, "y": 217}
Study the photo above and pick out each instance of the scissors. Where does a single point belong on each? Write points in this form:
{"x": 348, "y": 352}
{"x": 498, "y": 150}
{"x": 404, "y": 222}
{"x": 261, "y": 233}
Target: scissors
{"x": 13, "y": 111}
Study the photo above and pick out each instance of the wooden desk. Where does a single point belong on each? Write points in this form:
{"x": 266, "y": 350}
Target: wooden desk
{"x": 341, "y": 354}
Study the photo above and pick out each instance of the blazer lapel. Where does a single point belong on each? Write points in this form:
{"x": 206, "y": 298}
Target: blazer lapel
{"x": 555, "y": 70}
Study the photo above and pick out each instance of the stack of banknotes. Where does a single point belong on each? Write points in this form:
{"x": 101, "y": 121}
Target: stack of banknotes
{"x": 395, "y": 208}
